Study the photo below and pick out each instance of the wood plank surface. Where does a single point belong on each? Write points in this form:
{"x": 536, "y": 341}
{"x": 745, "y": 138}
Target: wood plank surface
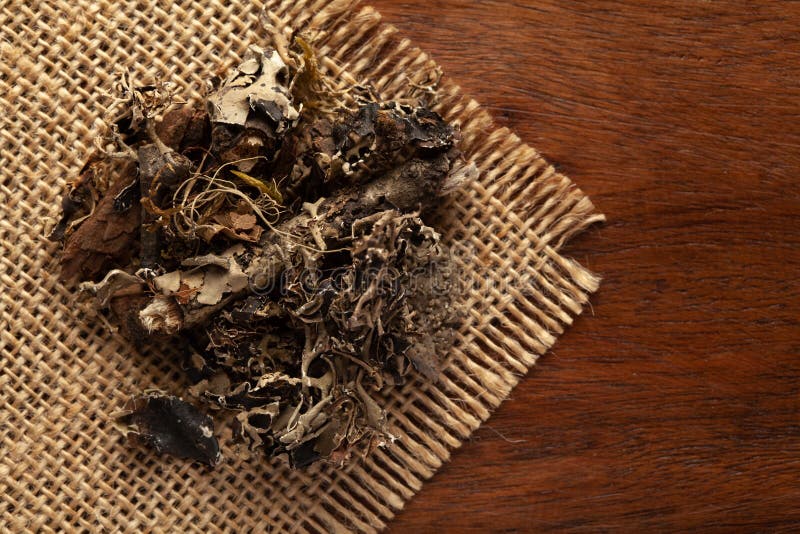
{"x": 675, "y": 403}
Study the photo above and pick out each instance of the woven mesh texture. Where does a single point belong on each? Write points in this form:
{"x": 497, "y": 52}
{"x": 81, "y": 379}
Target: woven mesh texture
{"x": 62, "y": 466}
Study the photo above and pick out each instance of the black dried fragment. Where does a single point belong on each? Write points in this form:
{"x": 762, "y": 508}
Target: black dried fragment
{"x": 125, "y": 199}
{"x": 169, "y": 425}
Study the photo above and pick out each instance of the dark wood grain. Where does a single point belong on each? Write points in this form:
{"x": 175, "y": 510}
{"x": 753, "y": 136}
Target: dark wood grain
{"x": 676, "y": 403}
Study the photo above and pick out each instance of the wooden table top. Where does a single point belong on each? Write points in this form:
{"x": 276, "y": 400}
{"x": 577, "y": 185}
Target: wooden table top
{"x": 675, "y": 403}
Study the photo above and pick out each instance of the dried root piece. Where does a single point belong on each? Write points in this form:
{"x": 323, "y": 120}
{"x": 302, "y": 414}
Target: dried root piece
{"x": 278, "y": 234}
{"x": 171, "y": 426}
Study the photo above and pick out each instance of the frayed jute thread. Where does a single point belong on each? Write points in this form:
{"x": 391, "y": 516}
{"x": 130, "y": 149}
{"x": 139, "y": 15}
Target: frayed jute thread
{"x": 62, "y": 465}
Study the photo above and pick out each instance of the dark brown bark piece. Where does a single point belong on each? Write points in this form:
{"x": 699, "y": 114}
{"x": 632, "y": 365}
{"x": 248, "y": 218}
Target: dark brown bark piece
{"x": 108, "y": 238}
{"x": 184, "y": 128}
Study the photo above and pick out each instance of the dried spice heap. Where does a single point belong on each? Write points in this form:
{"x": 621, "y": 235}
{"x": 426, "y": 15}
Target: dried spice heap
{"x": 276, "y": 234}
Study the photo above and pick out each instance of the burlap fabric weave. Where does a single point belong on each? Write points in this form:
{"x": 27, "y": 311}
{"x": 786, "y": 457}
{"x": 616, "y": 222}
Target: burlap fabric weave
{"x": 62, "y": 466}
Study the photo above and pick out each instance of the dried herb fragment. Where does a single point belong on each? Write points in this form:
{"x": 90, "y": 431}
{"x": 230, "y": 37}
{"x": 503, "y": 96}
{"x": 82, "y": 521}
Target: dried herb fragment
{"x": 106, "y": 238}
{"x": 171, "y": 426}
{"x": 278, "y": 233}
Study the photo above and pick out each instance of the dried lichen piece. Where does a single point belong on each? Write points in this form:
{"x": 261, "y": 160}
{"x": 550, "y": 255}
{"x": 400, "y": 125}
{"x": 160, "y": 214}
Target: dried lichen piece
{"x": 210, "y": 277}
{"x": 169, "y": 425}
{"x": 353, "y": 147}
{"x": 358, "y": 336}
{"x": 115, "y": 284}
{"x": 413, "y": 185}
{"x": 137, "y": 104}
{"x": 252, "y": 109}
{"x": 259, "y": 83}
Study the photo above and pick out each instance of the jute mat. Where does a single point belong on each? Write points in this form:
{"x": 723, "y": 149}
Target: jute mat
{"x": 62, "y": 466}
